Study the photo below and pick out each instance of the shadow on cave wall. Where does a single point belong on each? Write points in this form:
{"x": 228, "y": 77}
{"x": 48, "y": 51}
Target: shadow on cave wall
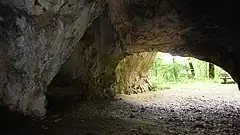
{"x": 197, "y": 29}
{"x": 90, "y": 71}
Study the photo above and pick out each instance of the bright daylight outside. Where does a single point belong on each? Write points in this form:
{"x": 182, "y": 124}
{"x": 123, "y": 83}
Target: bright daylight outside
{"x": 116, "y": 67}
{"x": 186, "y": 95}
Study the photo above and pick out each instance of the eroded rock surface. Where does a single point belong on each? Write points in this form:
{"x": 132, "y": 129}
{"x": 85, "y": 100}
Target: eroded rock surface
{"x": 91, "y": 67}
{"x": 133, "y": 73}
{"x": 37, "y": 37}
{"x": 197, "y": 29}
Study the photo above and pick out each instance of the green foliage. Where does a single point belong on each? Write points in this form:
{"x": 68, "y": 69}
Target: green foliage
{"x": 167, "y": 71}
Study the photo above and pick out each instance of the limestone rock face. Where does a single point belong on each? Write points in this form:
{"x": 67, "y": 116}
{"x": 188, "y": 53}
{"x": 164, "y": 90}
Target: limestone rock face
{"x": 38, "y": 36}
{"x": 91, "y": 67}
{"x": 133, "y": 73}
{"x": 99, "y": 67}
{"x": 36, "y": 39}
{"x": 197, "y": 29}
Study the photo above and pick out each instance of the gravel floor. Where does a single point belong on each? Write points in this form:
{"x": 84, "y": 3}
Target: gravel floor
{"x": 194, "y": 111}
{"x": 213, "y": 110}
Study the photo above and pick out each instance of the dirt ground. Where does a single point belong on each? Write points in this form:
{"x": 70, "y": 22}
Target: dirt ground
{"x": 196, "y": 109}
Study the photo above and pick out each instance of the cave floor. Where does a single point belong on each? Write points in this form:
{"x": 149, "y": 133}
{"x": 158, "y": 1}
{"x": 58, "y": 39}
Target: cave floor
{"x": 210, "y": 110}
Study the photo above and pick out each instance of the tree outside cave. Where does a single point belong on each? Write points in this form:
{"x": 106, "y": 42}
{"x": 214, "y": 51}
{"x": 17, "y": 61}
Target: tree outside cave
{"x": 168, "y": 71}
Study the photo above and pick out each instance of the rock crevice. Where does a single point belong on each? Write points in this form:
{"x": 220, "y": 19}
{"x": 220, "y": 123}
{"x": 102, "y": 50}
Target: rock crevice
{"x": 37, "y": 44}
{"x": 37, "y": 37}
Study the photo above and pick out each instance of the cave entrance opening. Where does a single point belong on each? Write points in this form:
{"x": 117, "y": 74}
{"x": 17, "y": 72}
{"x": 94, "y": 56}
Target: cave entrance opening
{"x": 180, "y": 92}
{"x": 157, "y": 73}
{"x": 185, "y": 93}
{"x": 168, "y": 71}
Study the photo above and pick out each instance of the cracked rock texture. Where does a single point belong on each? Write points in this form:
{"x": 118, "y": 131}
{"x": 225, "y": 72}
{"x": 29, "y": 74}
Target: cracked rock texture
{"x": 133, "y": 73}
{"x": 38, "y": 36}
{"x": 36, "y": 39}
{"x": 91, "y": 67}
{"x": 187, "y": 28}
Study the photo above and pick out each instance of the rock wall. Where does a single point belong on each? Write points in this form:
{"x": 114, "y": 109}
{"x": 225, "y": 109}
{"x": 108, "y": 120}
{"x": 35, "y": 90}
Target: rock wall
{"x": 132, "y": 73}
{"x": 38, "y": 36}
{"x": 99, "y": 68}
{"x": 36, "y": 39}
{"x": 91, "y": 67}
{"x": 190, "y": 28}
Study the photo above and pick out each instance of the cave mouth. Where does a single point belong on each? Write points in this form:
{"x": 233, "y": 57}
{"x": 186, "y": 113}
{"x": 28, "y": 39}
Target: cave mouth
{"x": 143, "y": 105}
{"x": 141, "y": 73}
{"x": 151, "y": 71}
{"x": 186, "y": 94}
{"x": 168, "y": 71}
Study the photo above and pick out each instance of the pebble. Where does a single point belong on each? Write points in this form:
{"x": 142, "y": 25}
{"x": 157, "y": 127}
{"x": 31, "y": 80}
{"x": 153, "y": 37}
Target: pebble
{"x": 191, "y": 114}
